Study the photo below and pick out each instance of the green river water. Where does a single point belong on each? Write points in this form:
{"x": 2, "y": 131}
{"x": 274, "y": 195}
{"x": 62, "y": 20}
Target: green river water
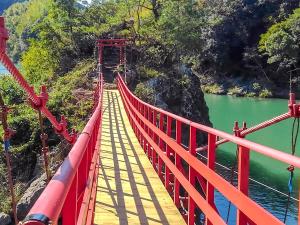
{"x": 223, "y": 111}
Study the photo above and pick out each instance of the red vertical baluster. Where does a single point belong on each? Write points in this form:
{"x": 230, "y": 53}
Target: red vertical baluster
{"x": 168, "y": 151}
{"x": 139, "y": 121}
{"x": 211, "y": 158}
{"x": 149, "y": 117}
{"x": 146, "y": 129}
{"x": 154, "y": 137}
{"x": 145, "y": 116}
{"x": 243, "y": 179}
{"x": 192, "y": 175}
{"x": 178, "y": 164}
{"x": 161, "y": 145}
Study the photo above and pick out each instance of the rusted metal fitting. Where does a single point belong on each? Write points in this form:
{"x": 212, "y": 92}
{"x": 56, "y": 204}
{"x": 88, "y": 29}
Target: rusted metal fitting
{"x": 45, "y": 150}
{"x": 8, "y": 133}
{"x": 291, "y": 168}
{"x": 3, "y": 35}
{"x": 44, "y": 97}
{"x": 74, "y": 136}
{"x": 4, "y": 111}
{"x": 44, "y": 137}
{"x": 63, "y": 125}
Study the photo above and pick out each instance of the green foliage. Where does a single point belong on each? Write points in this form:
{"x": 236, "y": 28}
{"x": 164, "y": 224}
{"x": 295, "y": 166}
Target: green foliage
{"x": 281, "y": 42}
{"x": 265, "y": 93}
{"x": 11, "y": 92}
{"x": 145, "y": 93}
{"x": 250, "y": 94}
{"x": 39, "y": 63}
{"x": 212, "y": 88}
{"x": 72, "y": 94}
{"x": 235, "y": 91}
{"x": 147, "y": 72}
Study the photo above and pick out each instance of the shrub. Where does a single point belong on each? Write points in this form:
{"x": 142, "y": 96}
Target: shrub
{"x": 256, "y": 86}
{"x": 265, "y": 93}
{"x": 145, "y": 93}
{"x": 212, "y": 88}
{"x": 146, "y": 72}
{"x": 235, "y": 91}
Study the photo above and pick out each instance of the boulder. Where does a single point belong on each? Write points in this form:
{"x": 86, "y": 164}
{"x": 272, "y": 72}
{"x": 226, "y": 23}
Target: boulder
{"x": 31, "y": 195}
{"x": 5, "y": 219}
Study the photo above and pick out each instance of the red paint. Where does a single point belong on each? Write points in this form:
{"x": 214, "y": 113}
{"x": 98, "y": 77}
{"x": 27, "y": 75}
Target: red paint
{"x": 248, "y": 207}
{"x": 71, "y": 192}
{"x": 211, "y": 155}
{"x": 68, "y": 193}
{"x": 36, "y": 101}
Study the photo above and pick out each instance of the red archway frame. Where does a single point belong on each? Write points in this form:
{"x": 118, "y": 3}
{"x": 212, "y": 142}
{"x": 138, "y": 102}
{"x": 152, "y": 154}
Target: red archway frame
{"x": 118, "y": 43}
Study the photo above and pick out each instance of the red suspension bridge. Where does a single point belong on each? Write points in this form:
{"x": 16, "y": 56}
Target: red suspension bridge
{"x": 128, "y": 167}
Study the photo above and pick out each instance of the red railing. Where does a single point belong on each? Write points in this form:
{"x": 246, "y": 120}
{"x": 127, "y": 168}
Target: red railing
{"x": 153, "y": 128}
{"x": 70, "y": 195}
{"x": 38, "y": 102}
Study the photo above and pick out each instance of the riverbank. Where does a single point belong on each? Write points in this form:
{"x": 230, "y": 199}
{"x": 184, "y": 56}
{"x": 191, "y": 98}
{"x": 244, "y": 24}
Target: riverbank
{"x": 243, "y": 87}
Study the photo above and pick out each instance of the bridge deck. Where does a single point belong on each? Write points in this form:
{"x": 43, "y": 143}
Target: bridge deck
{"x": 129, "y": 190}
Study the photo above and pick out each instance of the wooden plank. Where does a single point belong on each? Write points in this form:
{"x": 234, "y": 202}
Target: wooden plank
{"x": 129, "y": 190}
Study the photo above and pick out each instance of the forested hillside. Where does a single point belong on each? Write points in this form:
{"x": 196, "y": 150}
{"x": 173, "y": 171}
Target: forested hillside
{"x": 179, "y": 48}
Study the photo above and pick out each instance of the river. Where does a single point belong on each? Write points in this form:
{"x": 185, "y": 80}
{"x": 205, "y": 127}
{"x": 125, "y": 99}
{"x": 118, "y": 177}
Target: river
{"x": 223, "y": 111}
{"x": 3, "y": 70}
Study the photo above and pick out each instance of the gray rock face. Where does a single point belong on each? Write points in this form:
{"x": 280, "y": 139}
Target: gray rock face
{"x": 177, "y": 90}
{"x": 31, "y": 195}
{"x": 5, "y": 219}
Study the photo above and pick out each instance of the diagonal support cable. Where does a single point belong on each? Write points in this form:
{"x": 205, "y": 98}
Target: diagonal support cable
{"x": 38, "y": 102}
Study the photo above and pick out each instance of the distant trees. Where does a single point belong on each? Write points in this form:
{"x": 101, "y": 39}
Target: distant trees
{"x": 216, "y": 38}
{"x": 281, "y": 45}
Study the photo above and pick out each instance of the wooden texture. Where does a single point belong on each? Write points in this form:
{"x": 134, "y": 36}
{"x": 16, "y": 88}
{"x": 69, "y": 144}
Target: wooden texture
{"x": 129, "y": 190}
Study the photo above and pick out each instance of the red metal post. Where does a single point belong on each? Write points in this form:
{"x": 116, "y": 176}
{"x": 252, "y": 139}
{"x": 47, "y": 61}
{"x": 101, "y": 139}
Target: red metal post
{"x": 154, "y": 137}
{"x": 161, "y": 145}
{"x": 168, "y": 151}
{"x": 100, "y": 59}
{"x": 211, "y": 155}
{"x": 243, "y": 179}
{"x": 177, "y": 164}
{"x": 121, "y": 56}
{"x": 192, "y": 175}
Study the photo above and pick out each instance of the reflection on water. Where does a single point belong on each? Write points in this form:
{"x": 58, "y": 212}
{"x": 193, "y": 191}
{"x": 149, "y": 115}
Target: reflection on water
{"x": 224, "y": 110}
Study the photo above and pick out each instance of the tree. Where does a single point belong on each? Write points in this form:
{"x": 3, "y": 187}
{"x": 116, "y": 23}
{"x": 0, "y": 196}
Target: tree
{"x": 281, "y": 44}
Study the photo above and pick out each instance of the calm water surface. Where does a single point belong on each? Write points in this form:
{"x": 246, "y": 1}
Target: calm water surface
{"x": 224, "y": 110}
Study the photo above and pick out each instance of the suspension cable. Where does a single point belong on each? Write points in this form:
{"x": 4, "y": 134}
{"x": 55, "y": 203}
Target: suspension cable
{"x": 45, "y": 148}
{"x": 252, "y": 180}
{"x": 233, "y": 168}
{"x": 7, "y": 136}
{"x": 291, "y": 168}
{"x": 37, "y": 101}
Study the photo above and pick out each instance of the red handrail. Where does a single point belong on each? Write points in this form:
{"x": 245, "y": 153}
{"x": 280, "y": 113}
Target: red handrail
{"x": 70, "y": 195}
{"x": 156, "y": 139}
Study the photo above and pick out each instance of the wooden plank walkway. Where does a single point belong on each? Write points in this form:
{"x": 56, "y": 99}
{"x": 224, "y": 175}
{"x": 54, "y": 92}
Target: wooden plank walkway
{"x": 129, "y": 190}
